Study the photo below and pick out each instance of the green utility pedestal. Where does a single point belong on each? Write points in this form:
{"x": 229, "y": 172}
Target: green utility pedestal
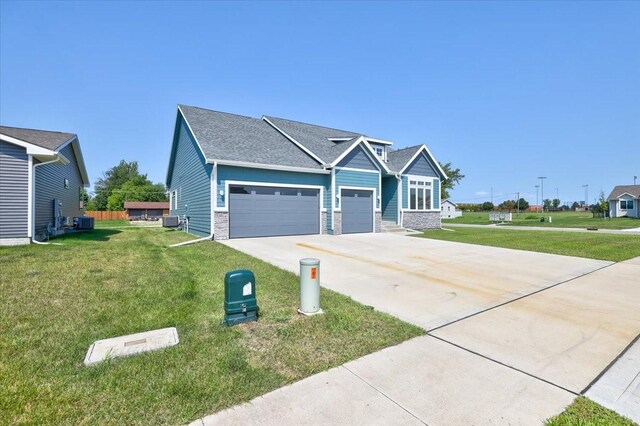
{"x": 240, "y": 303}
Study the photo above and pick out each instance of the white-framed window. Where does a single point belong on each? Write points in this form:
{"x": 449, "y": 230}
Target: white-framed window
{"x": 173, "y": 200}
{"x": 420, "y": 193}
{"x": 626, "y": 204}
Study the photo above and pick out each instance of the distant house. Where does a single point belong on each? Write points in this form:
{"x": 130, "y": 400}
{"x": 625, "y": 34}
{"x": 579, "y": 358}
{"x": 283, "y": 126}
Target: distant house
{"x": 42, "y": 178}
{"x": 624, "y": 201}
{"x": 146, "y": 210}
{"x": 449, "y": 210}
{"x": 534, "y": 208}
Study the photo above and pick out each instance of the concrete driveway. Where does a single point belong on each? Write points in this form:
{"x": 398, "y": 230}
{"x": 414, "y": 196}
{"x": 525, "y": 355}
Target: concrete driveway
{"x": 513, "y": 336}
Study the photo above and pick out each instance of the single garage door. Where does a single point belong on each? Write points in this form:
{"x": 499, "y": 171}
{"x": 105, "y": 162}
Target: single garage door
{"x": 264, "y": 211}
{"x": 357, "y": 211}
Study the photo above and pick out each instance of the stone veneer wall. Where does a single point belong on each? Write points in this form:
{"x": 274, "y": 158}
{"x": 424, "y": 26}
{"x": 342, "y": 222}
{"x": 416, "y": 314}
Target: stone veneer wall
{"x": 221, "y": 226}
{"x": 378, "y": 224}
{"x": 421, "y": 220}
{"x": 337, "y": 223}
{"x": 323, "y": 222}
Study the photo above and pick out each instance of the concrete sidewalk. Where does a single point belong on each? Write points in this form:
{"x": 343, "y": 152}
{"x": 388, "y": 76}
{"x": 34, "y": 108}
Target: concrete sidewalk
{"x": 632, "y": 231}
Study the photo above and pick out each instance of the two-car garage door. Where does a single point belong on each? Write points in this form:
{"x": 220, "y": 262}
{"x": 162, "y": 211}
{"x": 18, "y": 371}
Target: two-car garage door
{"x": 263, "y": 211}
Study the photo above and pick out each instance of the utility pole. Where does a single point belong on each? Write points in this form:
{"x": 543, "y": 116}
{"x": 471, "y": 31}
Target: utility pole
{"x": 492, "y": 195}
{"x": 556, "y": 192}
{"x": 518, "y": 206}
{"x": 586, "y": 194}
{"x": 542, "y": 178}
{"x": 634, "y": 179}
{"x": 537, "y": 186}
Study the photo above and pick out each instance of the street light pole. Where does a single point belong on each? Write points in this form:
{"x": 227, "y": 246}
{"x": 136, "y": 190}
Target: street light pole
{"x": 542, "y": 178}
{"x": 537, "y": 186}
{"x": 586, "y": 194}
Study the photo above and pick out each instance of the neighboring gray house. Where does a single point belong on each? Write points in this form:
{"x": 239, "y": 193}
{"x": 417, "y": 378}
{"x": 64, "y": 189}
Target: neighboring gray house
{"x": 449, "y": 210}
{"x": 624, "y": 201}
{"x": 36, "y": 168}
{"x": 234, "y": 176}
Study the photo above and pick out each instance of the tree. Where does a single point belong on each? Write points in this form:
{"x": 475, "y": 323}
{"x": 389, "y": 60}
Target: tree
{"x": 507, "y": 205}
{"x": 522, "y": 204}
{"x": 487, "y": 206}
{"x": 125, "y": 183}
{"x": 454, "y": 176}
{"x": 556, "y": 203}
{"x": 604, "y": 204}
{"x": 547, "y": 203}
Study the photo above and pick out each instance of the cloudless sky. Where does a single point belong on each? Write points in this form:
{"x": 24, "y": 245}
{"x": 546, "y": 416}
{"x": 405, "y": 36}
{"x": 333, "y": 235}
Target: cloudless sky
{"x": 506, "y": 91}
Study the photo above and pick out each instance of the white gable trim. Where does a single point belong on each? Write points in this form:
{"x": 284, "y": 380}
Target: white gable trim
{"x": 380, "y": 141}
{"x": 371, "y": 154}
{"x": 433, "y": 159}
{"x": 31, "y": 148}
{"x": 626, "y": 193}
{"x": 267, "y": 166}
{"x": 298, "y": 144}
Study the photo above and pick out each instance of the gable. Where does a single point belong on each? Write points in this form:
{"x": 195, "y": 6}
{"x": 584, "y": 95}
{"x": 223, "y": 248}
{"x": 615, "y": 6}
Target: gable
{"x": 421, "y": 166}
{"x": 357, "y": 159}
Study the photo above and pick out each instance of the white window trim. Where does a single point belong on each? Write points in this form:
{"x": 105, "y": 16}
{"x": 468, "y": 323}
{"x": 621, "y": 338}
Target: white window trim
{"x": 626, "y": 201}
{"x": 362, "y": 188}
{"x": 409, "y": 187}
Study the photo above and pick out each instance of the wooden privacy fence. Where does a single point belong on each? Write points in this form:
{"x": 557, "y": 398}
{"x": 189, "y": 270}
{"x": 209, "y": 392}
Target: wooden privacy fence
{"x": 107, "y": 215}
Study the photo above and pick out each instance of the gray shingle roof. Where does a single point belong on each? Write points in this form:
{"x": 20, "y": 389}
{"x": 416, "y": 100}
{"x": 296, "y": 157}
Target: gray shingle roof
{"x": 232, "y": 137}
{"x": 316, "y": 138}
{"x": 396, "y": 160}
{"x": 621, "y": 189}
{"x": 42, "y": 138}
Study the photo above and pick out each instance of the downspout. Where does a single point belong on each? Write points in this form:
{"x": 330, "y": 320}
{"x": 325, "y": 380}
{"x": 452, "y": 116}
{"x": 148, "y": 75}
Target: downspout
{"x": 213, "y": 203}
{"x": 33, "y": 203}
{"x": 400, "y": 212}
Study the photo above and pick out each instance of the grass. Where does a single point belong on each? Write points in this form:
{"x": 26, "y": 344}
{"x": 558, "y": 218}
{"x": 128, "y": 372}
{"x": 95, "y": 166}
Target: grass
{"x": 111, "y": 223}
{"x": 610, "y": 247}
{"x": 584, "y": 412}
{"x": 57, "y": 300}
{"x": 559, "y": 219}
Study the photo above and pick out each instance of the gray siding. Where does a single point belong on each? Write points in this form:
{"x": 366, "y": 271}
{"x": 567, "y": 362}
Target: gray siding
{"x": 421, "y": 167}
{"x": 357, "y": 159}
{"x": 49, "y": 185}
{"x": 191, "y": 179}
{"x": 14, "y": 190}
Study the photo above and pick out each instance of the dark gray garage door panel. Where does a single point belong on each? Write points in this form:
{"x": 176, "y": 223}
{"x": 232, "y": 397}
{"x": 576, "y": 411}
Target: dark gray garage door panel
{"x": 357, "y": 211}
{"x": 256, "y": 211}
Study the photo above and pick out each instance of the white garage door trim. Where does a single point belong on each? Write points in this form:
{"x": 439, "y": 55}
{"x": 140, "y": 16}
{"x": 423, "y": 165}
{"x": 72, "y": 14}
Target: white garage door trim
{"x": 229, "y": 183}
{"x": 373, "y": 201}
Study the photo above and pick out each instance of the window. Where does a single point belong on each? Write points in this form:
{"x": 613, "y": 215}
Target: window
{"x": 380, "y": 152}
{"x": 173, "y": 200}
{"x": 420, "y": 194}
{"x": 626, "y": 204}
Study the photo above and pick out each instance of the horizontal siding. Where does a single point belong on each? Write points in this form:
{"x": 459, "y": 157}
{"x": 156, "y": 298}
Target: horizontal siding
{"x": 435, "y": 193}
{"x": 357, "y": 159}
{"x": 14, "y": 191}
{"x": 49, "y": 185}
{"x": 421, "y": 166}
{"x": 405, "y": 192}
{"x": 191, "y": 179}
{"x": 226, "y": 173}
{"x": 358, "y": 179}
{"x": 390, "y": 199}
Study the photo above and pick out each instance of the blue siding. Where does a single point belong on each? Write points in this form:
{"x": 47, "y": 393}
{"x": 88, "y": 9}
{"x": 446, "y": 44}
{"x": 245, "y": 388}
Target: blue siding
{"x": 358, "y": 179}
{"x": 405, "y": 192}
{"x": 358, "y": 159}
{"x": 272, "y": 176}
{"x": 191, "y": 179}
{"x": 436, "y": 194}
{"x": 421, "y": 166}
{"x": 49, "y": 185}
{"x": 390, "y": 199}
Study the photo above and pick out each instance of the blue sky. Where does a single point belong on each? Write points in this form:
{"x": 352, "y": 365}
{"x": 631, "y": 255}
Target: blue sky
{"x": 507, "y": 91}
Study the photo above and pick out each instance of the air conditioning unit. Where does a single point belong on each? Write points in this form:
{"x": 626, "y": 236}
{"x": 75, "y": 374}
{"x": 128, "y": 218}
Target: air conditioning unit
{"x": 170, "y": 221}
{"x": 83, "y": 222}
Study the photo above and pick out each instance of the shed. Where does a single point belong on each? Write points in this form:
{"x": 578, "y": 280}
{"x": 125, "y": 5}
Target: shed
{"x": 146, "y": 210}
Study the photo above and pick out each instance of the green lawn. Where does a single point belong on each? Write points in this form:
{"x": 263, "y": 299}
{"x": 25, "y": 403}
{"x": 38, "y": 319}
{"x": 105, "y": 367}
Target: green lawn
{"x": 611, "y": 247}
{"x": 111, "y": 223}
{"x": 558, "y": 219}
{"x": 584, "y": 412}
{"x": 57, "y": 300}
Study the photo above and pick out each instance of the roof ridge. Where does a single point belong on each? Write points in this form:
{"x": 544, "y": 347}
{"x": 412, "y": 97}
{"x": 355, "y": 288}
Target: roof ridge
{"x": 39, "y": 130}
{"x": 220, "y": 112}
{"x": 405, "y": 148}
{"x": 314, "y": 125}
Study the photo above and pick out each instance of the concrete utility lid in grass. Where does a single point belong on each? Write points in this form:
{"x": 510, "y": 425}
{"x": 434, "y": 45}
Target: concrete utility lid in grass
{"x": 132, "y": 344}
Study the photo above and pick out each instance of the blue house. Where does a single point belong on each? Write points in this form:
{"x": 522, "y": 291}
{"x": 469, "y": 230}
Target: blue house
{"x": 234, "y": 176}
{"x": 42, "y": 181}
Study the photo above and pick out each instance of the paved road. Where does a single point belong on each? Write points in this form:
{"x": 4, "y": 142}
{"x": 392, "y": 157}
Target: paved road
{"x": 513, "y": 336}
{"x": 632, "y": 231}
